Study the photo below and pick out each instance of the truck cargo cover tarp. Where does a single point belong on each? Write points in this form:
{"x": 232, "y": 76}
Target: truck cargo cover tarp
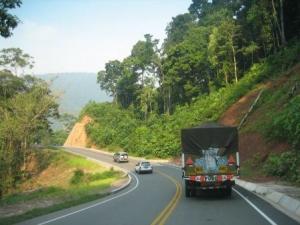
{"x": 209, "y": 135}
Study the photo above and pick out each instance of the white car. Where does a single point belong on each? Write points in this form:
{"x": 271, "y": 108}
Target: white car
{"x": 120, "y": 157}
{"x": 143, "y": 167}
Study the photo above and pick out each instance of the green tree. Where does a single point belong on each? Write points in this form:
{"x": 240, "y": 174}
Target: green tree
{"x": 10, "y": 85}
{"x": 256, "y": 20}
{"x": 126, "y": 80}
{"x": 8, "y": 21}
{"x": 143, "y": 55}
{"x": 177, "y": 29}
{"x": 15, "y": 60}
{"x": 108, "y": 78}
{"x": 127, "y": 85}
{"x": 186, "y": 69}
{"x": 24, "y": 115}
{"x": 223, "y": 49}
{"x": 147, "y": 98}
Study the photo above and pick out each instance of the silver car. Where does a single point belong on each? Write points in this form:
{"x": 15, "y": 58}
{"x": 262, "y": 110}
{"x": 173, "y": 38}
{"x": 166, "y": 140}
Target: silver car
{"x": 120, "y": 157}
{"x": 143, "y": 167}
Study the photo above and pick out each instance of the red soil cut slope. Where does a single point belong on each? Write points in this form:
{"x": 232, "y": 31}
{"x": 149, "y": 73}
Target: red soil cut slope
{"x": 253, "y": 143}
{"x": 250, "y": 144}
{"x": 234, "y": 114}
{"x": 78, "y": 137}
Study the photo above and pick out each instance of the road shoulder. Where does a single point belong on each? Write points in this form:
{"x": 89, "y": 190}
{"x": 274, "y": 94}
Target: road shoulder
{"x": 276, "y": 196}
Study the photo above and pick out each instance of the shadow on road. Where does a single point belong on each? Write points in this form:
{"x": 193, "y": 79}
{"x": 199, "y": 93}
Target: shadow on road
{"x": 212, "y": 195}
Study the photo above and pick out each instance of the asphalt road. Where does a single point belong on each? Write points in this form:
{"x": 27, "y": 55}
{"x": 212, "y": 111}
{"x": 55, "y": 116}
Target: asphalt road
{"x": 158, "y": 198}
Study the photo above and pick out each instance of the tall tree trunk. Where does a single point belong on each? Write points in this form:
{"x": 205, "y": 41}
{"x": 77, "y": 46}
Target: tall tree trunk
{"x": 276, "y": 41}
{"x": 234, "y": 62}
{"x": 264, "y": 47}
{"x": 226, "y": 78}
{"x": 169, "y": 101}
{"x": 143, "y": 79}
{"x": 162, "y": 83}
{"x": 150, "y": 107}
{"x": 279, "y": 28}
{"x": 164, "y": 100}
{"x": 115, "y": 97}
{"x": 283, "y": 39}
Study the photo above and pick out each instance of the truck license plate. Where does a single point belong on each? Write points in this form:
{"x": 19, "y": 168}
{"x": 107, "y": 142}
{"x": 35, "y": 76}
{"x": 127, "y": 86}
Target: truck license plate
{"x": 210, "y": 178}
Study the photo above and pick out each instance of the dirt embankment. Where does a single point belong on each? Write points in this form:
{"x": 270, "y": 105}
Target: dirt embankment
{"x": 234, "y": 114}
{"x": 78, "y": 136}
{"x": 250, "y": 143}
{"x": 253, "y": 143}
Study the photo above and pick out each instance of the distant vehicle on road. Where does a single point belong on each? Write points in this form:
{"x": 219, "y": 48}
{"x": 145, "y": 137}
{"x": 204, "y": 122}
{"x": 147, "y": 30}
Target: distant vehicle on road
{"x": 120, "y": 157}
{"x": 210, "y": 158}
{"x": 143, "y": 167}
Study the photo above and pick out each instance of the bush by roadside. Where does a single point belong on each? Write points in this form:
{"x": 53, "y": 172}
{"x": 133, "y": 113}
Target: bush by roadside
{"x": 285, "y": 166}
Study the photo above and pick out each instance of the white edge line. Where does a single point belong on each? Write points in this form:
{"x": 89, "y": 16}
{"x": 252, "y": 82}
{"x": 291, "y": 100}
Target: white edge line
{"x": 123, "y": 186}
{"x": 241, "y": 195}
{"x": 255, "y": 207}
{"x": 97, "y": 204}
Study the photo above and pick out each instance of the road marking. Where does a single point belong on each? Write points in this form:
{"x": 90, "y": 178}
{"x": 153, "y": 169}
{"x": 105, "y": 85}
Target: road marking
{"x": 92, "y": 206}
{"x": 255, "y": 207}
{"x": 164, "y": 215}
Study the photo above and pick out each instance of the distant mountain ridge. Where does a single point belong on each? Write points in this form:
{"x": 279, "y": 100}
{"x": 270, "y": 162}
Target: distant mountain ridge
{"x": 75, "y": 90}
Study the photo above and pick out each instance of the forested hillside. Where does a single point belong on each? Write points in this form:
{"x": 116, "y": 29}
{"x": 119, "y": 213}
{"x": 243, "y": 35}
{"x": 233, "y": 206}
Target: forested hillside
{"x": 214, "y": 54}
{"x": 26, "y": 106}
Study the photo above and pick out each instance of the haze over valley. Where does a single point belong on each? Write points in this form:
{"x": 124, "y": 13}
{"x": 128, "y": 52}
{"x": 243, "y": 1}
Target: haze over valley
{"x": 75, "y": 90}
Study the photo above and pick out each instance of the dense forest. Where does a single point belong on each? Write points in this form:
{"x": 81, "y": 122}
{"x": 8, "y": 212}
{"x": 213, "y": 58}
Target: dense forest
{"x": 26, "y": 105}
{"x": 212, "y": 55}
{"x": 206, "y": 49}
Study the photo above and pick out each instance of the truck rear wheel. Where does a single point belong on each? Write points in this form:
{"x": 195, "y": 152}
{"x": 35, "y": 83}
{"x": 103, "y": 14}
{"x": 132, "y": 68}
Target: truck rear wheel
{"x": 189, "y": 190}
{"x": 193, "y": 193}
{"x": 228, "y": 191}
{"x": 188, "y": 193}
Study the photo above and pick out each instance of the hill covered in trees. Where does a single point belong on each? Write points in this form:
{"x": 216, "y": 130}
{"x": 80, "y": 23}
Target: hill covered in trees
{"x": 214, "y": 54}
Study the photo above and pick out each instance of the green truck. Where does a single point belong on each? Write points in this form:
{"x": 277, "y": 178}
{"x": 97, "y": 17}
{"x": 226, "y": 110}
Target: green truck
{"x": 210, "y": 158}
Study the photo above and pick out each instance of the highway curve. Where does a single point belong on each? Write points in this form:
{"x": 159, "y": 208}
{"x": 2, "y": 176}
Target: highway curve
{"x": 156, "y": 199}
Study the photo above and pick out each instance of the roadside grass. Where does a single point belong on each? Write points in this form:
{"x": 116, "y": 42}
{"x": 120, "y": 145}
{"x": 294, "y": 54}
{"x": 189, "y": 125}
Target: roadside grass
{"x": 23, "y": 197}
{"x": 251, "y": 168}
{"x": 54, "y": 184}
{"x": 273, "y": 101}
{"x": 42, "y": 211}
{"x": 249, "y": 171}
{"x": 81, "y": 162}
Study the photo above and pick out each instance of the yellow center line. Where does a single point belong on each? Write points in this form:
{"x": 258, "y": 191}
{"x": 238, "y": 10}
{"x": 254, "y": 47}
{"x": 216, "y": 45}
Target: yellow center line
{"x": 164, "y": 215}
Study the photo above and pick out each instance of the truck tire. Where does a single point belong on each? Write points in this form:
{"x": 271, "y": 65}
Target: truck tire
{"x": 189, "y": 190}
{"x": 228, "y": 191}
{"x": 188, "y": 193}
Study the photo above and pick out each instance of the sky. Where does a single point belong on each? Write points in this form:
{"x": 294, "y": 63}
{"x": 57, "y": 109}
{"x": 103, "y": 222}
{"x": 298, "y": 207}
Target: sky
{"x": 82, "y": 35}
